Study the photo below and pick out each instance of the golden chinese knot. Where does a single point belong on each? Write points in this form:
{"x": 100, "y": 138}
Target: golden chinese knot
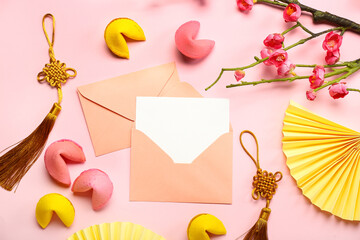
{"x": 55, "y": 73}
{"x": 265, "y": 184}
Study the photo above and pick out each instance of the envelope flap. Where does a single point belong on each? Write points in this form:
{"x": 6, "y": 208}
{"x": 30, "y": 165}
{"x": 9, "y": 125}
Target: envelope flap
{"x": 180, "y": 89}
{"x": 221, "y": 148}
{"x": 119, "y": 94}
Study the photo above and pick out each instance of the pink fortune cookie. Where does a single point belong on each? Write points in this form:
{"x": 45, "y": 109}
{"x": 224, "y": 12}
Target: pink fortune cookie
{"x": 56, "y": 157}
{"x": 187, "y": 44}
{"x": 97, "y": 181}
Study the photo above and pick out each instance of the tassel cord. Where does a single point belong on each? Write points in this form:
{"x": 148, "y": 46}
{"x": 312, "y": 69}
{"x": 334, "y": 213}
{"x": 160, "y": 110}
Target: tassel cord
{"x": 247, "y": 152}
{"x": 51, "y": 43}
{"x": 60, "y": 95}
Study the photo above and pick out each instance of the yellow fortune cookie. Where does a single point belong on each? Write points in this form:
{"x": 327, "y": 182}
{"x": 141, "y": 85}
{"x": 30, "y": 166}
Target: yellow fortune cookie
{"x": 202, "y": 224}
{"x": 115, "y": 32}
{"x": 54, "y": 202}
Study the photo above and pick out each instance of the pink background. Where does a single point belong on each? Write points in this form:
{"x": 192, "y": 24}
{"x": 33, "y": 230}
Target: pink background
{"x": 79, "y": 43}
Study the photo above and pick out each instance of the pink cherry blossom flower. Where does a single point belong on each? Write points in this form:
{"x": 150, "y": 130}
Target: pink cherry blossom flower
{"x": 317, "y": 79}
{"x": 266, "y": 52}
{"x": 292, "y": 12}
{"x": 332, "y": 41}
{"x": 310, "y": 95}
{"x": 274, "y": 40}
{"x": 332, "y": 57}
{"x": 239, "y": 74}
{"x": 245, "y": 5}
{"x": 278, "y": 57}
{"x": 286, "y": 68}
{"x": 338, "y": 90}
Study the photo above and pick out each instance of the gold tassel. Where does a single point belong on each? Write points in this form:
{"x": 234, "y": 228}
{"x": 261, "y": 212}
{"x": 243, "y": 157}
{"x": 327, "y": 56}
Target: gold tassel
{"x": 259, "y": 230}
{"x": 15, "y": 163}
{"x": 265, "y": 185}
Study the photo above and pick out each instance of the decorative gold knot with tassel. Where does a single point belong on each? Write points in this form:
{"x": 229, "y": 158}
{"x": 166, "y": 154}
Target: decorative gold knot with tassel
{"x": 265, "y": 185}
{"x": 15, "y": 163}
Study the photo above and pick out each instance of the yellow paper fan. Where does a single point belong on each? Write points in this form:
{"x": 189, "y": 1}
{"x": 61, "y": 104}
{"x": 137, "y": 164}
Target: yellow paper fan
{"x": 323, "y": 157}
{"x": 115, "y": 231}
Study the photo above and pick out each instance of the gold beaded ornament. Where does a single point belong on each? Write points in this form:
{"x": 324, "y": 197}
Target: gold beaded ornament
{"x": 265, "y": 185}
{"x": 15, "y": 163}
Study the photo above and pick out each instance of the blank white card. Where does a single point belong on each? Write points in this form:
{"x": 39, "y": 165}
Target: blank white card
{"x": 182, "y": 127}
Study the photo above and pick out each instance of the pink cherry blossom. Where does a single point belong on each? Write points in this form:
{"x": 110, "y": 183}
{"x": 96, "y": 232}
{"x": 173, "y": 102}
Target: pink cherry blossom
{"x": 338, "y": 90}
{"x": 317, "y": 79}
{"x": 274, "y": 40}
{"x": 266, "y": 52}
{"x": 286, "y": 68}
{"x": 292, "y": 12}
{"x": 239, "y": 74}
{"x": 332, "y": 41}
{"x": 245, "y": 5}
{"x": 332, "y": 57}
{"x": 310, "y": 95}
{"x": 278, "y": 57}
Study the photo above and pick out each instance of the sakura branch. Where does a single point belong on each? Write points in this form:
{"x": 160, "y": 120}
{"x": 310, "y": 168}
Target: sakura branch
{"x": 275, "y": 53}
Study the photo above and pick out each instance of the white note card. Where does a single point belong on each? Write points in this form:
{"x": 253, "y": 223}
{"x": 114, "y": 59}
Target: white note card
{"x": 182, "y": 127}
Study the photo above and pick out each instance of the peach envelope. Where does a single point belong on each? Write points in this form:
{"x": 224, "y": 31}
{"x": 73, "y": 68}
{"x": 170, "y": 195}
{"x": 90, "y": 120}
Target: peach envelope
{"x": 155, "y": 177}
{"x": 109, "y": 108}
{"x": 109, "y": 105}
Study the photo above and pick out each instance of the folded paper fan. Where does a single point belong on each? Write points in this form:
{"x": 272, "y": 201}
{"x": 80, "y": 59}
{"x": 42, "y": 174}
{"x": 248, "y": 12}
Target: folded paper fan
{"x": 115, "y": 231}
{"x": 323, "y": 157}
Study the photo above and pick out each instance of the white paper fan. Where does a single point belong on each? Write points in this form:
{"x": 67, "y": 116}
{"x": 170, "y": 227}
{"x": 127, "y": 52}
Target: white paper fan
{"x": 324, "y": 159}
{"x": 116, "y": 231}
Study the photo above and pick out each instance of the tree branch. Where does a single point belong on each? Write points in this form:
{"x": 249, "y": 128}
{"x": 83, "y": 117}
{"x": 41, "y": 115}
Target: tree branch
{"x": 320, "y": 16}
